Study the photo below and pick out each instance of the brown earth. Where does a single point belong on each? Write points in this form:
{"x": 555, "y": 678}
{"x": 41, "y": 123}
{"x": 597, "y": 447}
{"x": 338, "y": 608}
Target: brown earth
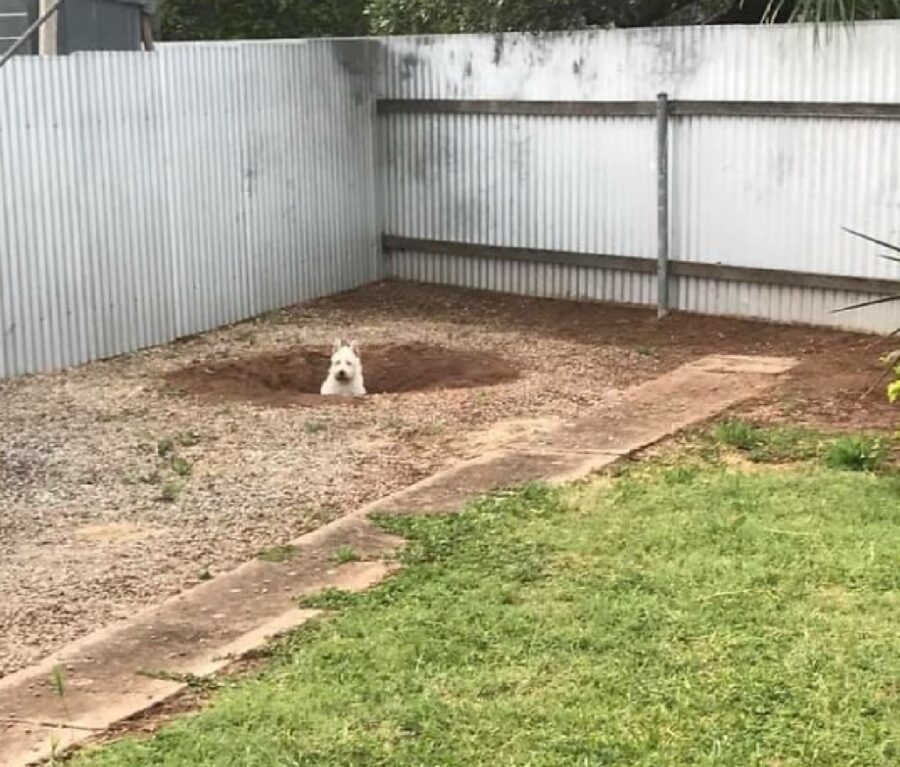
{"x": 293, "y": 376}
{"x": 839, "y": 383}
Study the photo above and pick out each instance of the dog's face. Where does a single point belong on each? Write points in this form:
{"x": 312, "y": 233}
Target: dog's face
{"x": 345, "y": 362}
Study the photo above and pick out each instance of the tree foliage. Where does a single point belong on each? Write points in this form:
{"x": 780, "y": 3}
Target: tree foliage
{"x": 234, "y": 19}
{"x": 260, "y": 19}
{"x": 448, "y": 16}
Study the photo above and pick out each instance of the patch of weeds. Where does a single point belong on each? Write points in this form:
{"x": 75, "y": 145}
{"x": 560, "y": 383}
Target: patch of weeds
{"x": 681, "y": 474}
{"x": 312, "y": 426}
{"x": 277, "y": 554}
{"x": 274, "y": 317}
{"x": 856, "y": 453}
{"x": 432, "y": 428}
{"x": 345, "y": 554}
{"x": 481, "y": 398}
{"x": 646, "y": 351}
{"x": 394, "y": 423}
{"x": 180, "y": 466}
{"x": 165, "y": 447}
{"x": 780, "y": 444}
{"x": 774, "y": 444}
{"x": 327, "y": 599}
{"x": 737, "y": 434}
{"x": 170, "y": 491}
{"x": 173, "y": 391}
{"x": 205, "y": 575}
{"x": 188, "y": 439}
{"x": 194, "y": 682}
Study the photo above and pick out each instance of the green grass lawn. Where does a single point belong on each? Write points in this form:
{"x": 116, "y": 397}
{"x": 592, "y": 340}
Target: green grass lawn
{"x": 676, "y": 615}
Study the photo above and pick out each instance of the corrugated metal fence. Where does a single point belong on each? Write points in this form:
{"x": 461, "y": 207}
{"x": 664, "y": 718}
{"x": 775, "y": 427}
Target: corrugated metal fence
{"x": 752, "y": 192}
{"x": 147, "y": 197}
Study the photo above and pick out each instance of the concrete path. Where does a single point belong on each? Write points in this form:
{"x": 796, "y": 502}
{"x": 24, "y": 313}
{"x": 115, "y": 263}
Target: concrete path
{"x": 124, "y": 669}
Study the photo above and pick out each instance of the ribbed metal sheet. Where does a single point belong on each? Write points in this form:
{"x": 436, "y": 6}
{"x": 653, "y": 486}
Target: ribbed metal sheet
{"x": 145, "y": 197}
{"x": 530, "y": 279}
{"x": 754, "y": 192}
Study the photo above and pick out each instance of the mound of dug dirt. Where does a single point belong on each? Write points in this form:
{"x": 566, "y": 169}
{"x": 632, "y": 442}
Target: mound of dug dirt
{"x": 293, "y": 376}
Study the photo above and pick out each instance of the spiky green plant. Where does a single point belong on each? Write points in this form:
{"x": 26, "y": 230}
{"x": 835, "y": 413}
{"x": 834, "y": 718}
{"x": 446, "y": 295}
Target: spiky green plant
{"x": 891, "y": 361}
{"x": 830, "y": 11}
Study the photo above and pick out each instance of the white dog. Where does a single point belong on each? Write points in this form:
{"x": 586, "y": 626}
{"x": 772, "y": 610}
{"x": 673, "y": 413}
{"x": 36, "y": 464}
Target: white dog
{"x": 345, "y": 376}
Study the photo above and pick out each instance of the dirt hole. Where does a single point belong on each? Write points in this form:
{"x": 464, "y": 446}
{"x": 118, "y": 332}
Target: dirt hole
{"x": 293, "y": 376}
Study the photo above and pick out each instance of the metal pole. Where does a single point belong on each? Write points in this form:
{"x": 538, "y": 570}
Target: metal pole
{"x": 147, "y": 33}
{"x": 662, "y": 204}
{"x": 26, "y": 35}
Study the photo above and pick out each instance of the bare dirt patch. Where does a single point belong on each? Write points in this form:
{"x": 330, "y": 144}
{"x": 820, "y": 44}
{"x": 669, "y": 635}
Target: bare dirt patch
{"x": 293, "y": 376}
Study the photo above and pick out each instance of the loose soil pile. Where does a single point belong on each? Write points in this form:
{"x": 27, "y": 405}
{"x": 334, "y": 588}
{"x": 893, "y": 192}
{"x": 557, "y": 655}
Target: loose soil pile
{"x": 293, "y": 376}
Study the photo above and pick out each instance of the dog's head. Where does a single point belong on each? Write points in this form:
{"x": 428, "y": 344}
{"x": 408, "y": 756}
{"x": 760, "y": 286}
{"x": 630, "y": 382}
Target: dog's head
{"x": 345, "y": 363}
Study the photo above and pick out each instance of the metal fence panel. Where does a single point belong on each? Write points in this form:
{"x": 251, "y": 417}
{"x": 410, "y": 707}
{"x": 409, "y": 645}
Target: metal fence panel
{"x": 150, "y": 196}
{"x": 745, "y": 191}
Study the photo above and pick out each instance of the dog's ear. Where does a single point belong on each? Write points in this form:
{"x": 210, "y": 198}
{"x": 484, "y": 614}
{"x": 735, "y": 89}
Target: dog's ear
{"x": 354, "y": 347}
{"x": 338, "y": 343}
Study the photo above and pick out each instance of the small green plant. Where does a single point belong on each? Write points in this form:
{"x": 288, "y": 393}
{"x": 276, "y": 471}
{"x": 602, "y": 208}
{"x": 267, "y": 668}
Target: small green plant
{"x": 433, "y": 428}
{"x": 277, "y": 553}
{"x": 58, "y": 685}
{"x": 205, "y": 575}
{"x": 856, "y": 454}
{"x": 312, "y": 426}
{"x": 54, "y": 751}
{"x": 188, "y": 439}
{"x": 646, "y": 351}
{"x": 345, "y": 554}
{"x": 170, "y": 492}
{"x": 180, "y": 466}
{"x": 165, "y": 446}
{"x": 328, "y": 599}
{"x": 737, "y": 434}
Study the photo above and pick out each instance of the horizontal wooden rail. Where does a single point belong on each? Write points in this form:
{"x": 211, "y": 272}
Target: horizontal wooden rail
{"x": 783, "y": 109}
{"x": 783, "y": 277}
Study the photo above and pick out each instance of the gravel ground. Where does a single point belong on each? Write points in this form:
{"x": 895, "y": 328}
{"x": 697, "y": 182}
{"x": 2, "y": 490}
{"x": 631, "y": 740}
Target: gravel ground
{"x": 116, "y": 491}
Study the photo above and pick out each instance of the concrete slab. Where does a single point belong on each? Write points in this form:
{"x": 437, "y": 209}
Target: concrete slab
{"x": 451, "y": 489}
{"x": 652, "y": 411}
{"x": 23, "y": 744}
{"x": 734, "y": 363}
{"x": 113, "y": 674}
